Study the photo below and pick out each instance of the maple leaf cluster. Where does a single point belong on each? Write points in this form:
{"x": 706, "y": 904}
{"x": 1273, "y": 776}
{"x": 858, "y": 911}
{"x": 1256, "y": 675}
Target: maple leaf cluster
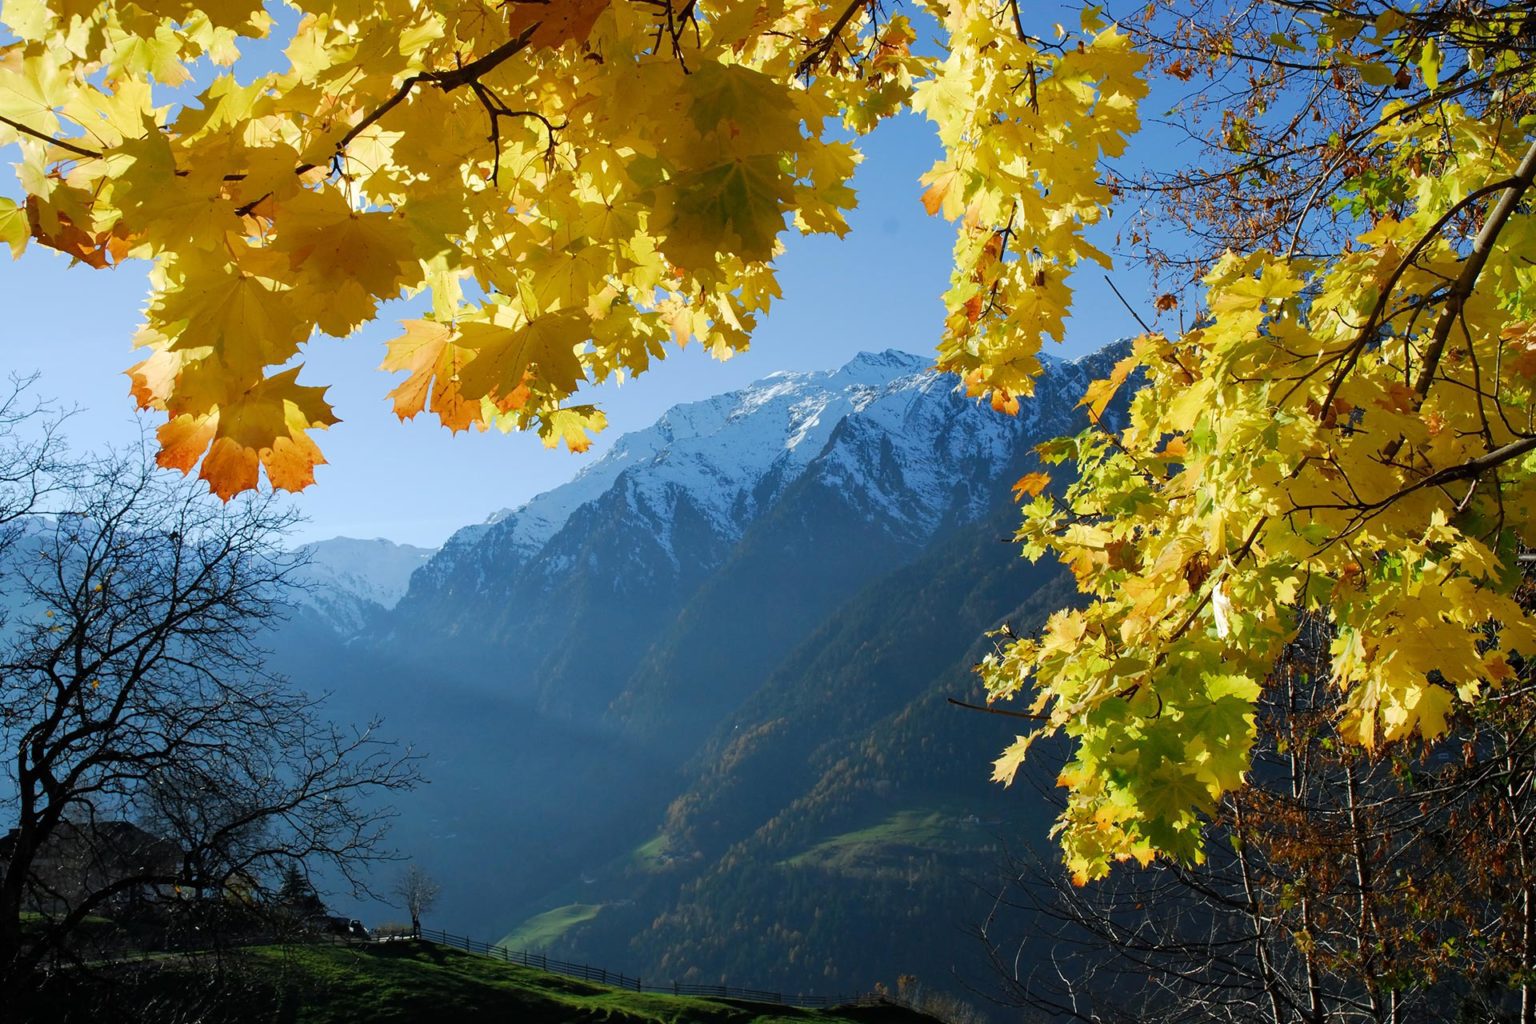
{"x": 1345, "y": 438}
{"x": 577, "y": 185}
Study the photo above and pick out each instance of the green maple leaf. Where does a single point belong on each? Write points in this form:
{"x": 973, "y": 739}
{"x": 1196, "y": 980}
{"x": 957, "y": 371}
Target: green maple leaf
{"x": 744, "y": 111}
{"x": 735, "y": 207}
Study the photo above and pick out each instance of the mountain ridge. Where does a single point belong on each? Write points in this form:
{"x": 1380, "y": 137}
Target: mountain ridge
{"x": 564, "y": 599}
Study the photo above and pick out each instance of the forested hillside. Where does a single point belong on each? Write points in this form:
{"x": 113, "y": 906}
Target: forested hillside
{"x": 846, "y": 800}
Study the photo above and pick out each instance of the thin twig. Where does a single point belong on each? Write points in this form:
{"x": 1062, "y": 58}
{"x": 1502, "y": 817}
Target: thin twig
{"x": 997, "y": 711}
{"x": 1127, "y": 305}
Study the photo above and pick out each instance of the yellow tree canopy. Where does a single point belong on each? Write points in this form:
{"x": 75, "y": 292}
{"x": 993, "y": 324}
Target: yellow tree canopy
{"x": 1342, "y": 431}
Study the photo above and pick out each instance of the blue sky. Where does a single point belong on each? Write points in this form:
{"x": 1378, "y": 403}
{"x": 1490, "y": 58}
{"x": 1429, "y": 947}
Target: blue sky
{"x": 415, "y": 483}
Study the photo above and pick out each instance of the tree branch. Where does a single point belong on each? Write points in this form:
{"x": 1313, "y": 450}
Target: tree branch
{"x": 997, "y": 711}
{"x": 447, "y": 81}
{"x": 91, "y": 154}
{"x": 1482, "y": 248}
{"x": 823, "y": 46}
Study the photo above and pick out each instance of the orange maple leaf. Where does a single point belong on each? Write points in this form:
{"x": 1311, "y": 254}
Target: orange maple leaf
{"x": 183, "y": 439}
{"x": 428, "y": 353}
{"x": 290, "y": 462}
{"x": 95, "y": 249}
{"x": 230, "y": 467}
{"x": 264, "y": 427}
{"x": 1031, "y": 484}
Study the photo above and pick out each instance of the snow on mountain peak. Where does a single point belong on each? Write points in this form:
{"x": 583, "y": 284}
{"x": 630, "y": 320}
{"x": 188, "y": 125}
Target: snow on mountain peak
{"x": 886, "y": 426}
{"x": 343, "y": 577}
{"x": 878, "y": 367}
{"x": 885, "y": 437}
{"x": 378, "y": 570}
{"x": 717, "y": 450}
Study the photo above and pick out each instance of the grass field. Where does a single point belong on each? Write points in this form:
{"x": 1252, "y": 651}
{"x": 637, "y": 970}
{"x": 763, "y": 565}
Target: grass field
{"x": 536, "y": 933}
{"x": 385, "y": 983}
{"x": 911, "y": 829}
{"x": 419, "y": 983}
{"x": 648, "y": 855}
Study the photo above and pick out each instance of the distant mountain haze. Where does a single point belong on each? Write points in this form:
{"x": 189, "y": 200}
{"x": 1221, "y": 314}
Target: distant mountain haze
{"x": 699, "y": 688}
{"x": 349, "y": 583}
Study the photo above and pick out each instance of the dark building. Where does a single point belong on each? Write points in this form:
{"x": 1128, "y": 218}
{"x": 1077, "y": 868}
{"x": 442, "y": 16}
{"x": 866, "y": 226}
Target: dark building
{"x": 83, "y": 858}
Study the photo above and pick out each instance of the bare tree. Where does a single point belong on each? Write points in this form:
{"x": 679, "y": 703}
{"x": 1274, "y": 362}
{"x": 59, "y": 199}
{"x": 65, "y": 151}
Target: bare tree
{"x": 148, "y": 757}
{"x": 1339, "y": 886}
{"x": 418, "y": 894}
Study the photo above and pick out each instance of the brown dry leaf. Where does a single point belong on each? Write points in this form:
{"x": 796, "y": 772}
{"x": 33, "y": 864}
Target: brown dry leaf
{"x": 554, "y": 22}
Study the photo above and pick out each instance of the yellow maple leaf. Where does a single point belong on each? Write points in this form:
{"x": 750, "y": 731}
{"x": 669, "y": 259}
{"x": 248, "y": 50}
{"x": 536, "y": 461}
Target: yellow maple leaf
{"x": 941, "y": 182}
{"x": 1006, "y": 767}
{"x": 736, "y": 207}
{"x": 573, "y": 425}
{"x": 542, "y": 349}
{"x": 249, "y": 322}
{"x": 1100, "y": 392}
{"x": 344, "y": 261}
{"x": 14, "y": 230}
{"x": 420, "y": 352}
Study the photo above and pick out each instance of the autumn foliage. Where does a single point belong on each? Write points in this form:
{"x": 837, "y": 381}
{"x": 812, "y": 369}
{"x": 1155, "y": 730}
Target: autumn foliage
{"x": 1339, "y": 427}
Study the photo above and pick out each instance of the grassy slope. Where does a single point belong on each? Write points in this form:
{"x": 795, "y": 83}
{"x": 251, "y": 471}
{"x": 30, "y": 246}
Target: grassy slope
{"x": 409, "y": 983}
{"x": 542, "y": 929}
{"x": 922, "y": 828}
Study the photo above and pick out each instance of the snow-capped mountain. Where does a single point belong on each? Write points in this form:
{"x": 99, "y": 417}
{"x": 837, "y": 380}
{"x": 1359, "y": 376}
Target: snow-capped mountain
{"x": 348, "y": 582}
{"x": 713, "y": 454}
{"x": 732, "y": 456}
{"x": 571, "y": 598}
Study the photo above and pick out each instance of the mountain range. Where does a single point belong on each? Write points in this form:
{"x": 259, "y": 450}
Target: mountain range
{"x": 684, "y": 715}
